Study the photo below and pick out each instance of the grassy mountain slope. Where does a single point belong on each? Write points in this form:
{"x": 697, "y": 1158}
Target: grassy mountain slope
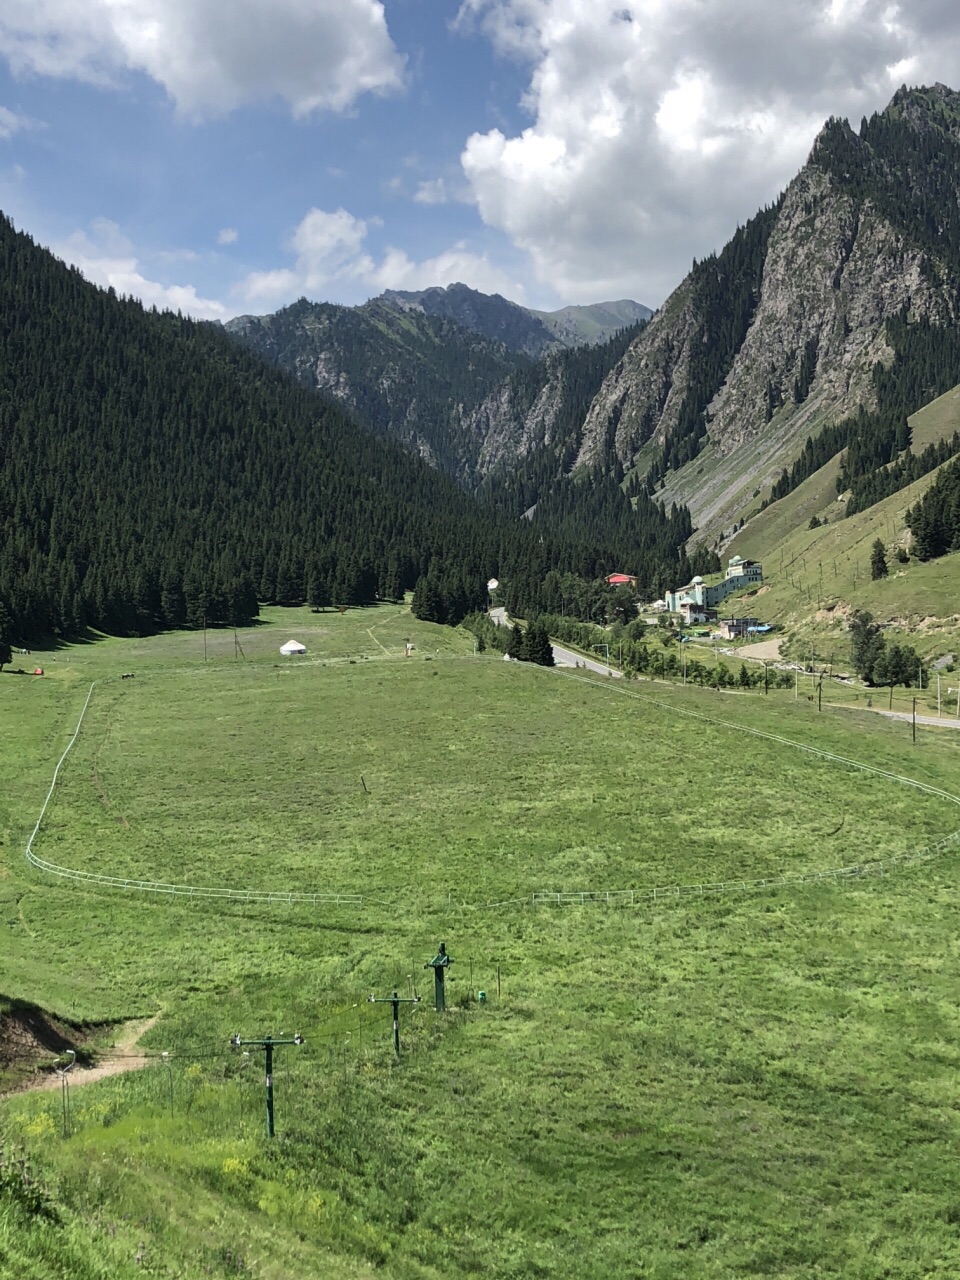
{"x": 595, "y": 322}
{"x": 817, "y": 496}
{"x": 814, "y": 578}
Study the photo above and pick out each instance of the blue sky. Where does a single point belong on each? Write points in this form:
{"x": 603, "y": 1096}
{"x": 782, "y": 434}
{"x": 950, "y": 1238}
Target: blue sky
{"x": 230, "y": 155}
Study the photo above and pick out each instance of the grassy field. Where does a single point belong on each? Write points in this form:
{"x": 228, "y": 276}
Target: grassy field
{"x": 751, "y": 1084}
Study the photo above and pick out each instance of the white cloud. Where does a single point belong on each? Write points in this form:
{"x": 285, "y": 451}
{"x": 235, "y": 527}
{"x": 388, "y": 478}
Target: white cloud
{"x": 330, "y": 254}
{"x": 432, "y": 192}
{"x": 658, "y": 125}
{"x": 211, "y": 55}
{"x": 106, "y": 257}
{"x": 12, "y": 122}
{"x": 228, "y": 235}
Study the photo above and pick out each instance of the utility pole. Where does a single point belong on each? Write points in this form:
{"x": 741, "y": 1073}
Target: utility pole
{"x": 820, "y": 692}
{"x": 165, "y": 1057}
{"x": 396, "y": 1000}
{"x": 268, "y": 1044}
{"x": 914, "y": 719}
{"x": 65, "y": 1089}
{"x": 439, "y": 964}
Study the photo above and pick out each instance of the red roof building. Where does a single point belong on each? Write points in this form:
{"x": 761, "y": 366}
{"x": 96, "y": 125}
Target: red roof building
{"x": 621, "y": 580}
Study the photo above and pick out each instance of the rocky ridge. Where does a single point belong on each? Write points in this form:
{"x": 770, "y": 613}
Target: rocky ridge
{"x": 836, "y": 268}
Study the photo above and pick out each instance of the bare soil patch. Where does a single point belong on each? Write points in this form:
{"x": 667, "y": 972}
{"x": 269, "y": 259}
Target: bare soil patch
{"x": 31, "y": 1040}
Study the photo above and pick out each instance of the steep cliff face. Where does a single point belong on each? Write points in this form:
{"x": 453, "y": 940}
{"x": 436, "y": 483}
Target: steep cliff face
{"x": 642, "y": 395}
{"x": 836, "y": 269}
{"x": 864, "y": 233}
{"x": 420, "y": 379}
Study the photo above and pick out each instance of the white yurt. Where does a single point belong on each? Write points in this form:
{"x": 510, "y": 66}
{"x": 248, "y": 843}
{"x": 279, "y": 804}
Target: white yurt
{"x": 292, "y": 646}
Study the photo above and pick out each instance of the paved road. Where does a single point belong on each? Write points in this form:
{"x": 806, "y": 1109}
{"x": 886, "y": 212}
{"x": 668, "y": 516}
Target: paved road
{"x": 562, "y": 657}
{"x": 944, "y": 722}
{"x": 567, "y": 658}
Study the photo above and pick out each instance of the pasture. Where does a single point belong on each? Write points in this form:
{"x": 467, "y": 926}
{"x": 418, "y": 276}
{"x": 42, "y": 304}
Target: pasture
{"x": 741, "y": 1084}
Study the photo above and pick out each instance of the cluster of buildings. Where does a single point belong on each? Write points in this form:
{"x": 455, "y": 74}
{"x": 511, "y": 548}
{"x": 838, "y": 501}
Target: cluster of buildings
{"x": 697, "y": 601}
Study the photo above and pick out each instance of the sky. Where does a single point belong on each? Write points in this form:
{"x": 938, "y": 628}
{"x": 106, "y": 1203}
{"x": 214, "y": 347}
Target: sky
{"x": 224, "y": 157}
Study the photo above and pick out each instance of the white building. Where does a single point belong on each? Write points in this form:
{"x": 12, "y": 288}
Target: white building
{"x": 740, "y": 573}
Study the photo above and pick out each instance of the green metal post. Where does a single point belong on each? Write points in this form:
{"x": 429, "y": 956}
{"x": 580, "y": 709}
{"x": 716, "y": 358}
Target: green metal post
{"x": 439, "y": 964}
{"x": 268, "y": 1044}
{"x": 396, "y": 1000}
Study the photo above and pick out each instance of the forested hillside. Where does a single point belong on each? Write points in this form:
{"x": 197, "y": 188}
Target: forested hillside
{"x": 470, "y": 404}
{"x": 155, "y": 474}
{"x": 417, "y": 378}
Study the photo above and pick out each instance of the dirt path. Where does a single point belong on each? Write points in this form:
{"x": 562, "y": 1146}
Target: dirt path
{"x": 128, "y": 1059}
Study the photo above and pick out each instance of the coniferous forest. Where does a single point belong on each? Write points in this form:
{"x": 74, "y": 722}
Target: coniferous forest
{"x": 154, "y": 474}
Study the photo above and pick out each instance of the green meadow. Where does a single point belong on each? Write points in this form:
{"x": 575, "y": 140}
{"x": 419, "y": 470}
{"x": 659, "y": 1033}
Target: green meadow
{"x": 747, "y": 1083}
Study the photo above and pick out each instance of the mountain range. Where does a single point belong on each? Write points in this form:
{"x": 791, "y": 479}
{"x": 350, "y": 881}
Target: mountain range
{"x": 155, "y": 472}
{"x": 838, "y": 299}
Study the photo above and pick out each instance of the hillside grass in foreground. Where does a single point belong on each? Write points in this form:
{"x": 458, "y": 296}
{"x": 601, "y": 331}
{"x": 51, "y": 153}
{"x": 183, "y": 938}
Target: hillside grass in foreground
{"x": 748, "y": 1085}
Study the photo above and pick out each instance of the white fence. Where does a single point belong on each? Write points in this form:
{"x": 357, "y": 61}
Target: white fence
{"x": 611, "y": 897}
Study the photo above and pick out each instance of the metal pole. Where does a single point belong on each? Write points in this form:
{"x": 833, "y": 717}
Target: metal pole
{"x": 268, "y": 1045}
{"x": 440, "y": 962}
{"x": 938, "y": 695}
{"x": 65, "y": 1089}
{"x": 396, "y": 1000}
{"x": 166, "y": 1058}
{"x": 914, "y": 719}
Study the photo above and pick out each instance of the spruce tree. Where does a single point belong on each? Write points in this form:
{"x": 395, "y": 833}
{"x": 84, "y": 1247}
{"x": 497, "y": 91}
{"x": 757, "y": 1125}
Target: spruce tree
{"x": 878, "y": 560}
{"x": 536, "y": 645}
{"x": 517, "y": 647}
{"x": 866, "y": 645}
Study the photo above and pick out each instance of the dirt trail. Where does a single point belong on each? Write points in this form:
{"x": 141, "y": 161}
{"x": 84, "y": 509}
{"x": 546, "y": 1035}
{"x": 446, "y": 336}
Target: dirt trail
{"x": 128, "y": 1059}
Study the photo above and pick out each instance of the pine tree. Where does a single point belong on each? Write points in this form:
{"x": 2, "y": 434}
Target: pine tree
{"x": 878, "y": 560}
{"x": 536, "y": 645}
{"x": 318, "y": 593}
{"x": 866, "y": 644}
{"x": 517, "y": 647}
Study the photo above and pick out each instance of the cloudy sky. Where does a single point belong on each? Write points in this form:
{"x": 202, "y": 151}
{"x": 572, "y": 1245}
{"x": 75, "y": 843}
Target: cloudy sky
{"x": 227, "y": 156}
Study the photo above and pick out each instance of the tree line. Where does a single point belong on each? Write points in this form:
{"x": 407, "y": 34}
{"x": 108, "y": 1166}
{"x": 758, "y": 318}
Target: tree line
{"x": 154, "y": 474}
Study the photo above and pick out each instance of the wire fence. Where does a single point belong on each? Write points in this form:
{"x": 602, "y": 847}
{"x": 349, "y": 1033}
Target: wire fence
{"x": 539, "y": 898}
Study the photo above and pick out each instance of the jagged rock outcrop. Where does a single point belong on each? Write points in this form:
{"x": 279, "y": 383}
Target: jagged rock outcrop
{"x": 848, "y": 248}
